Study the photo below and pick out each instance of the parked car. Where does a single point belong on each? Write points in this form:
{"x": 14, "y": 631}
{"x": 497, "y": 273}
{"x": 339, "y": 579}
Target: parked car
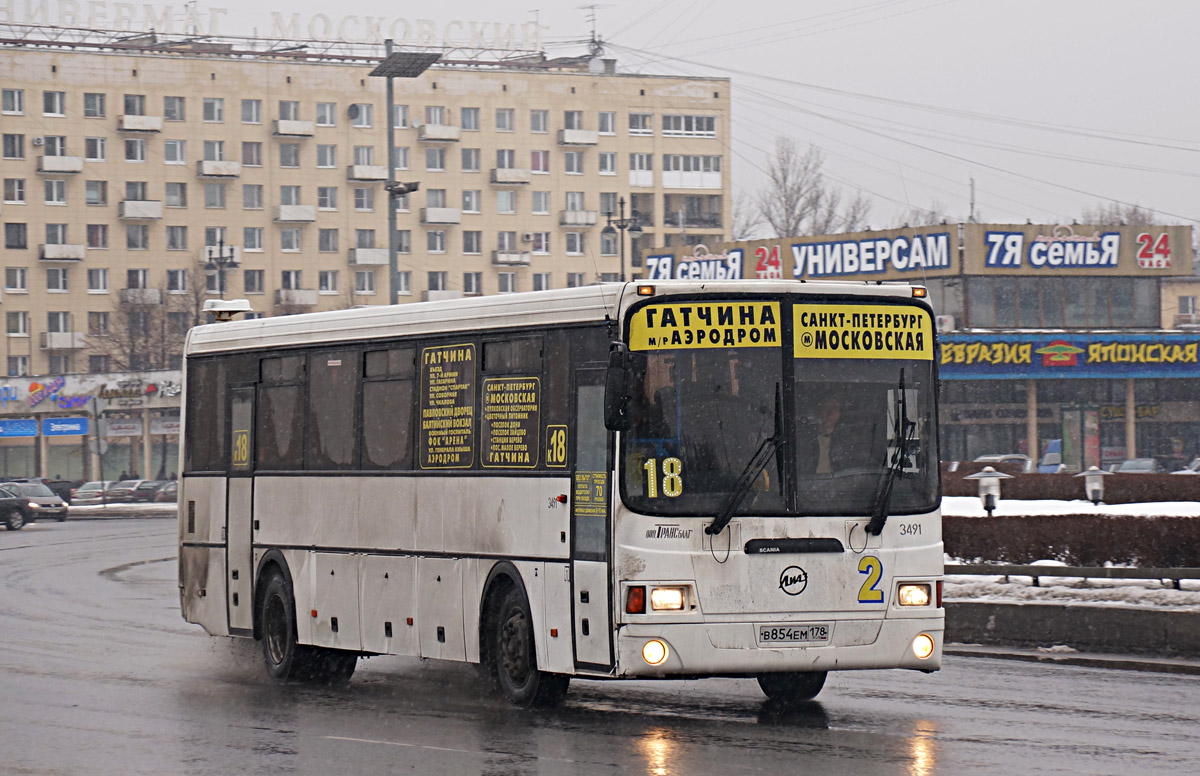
{"x": 168, "y": 493}
{"x": 1051, "y": 462}
{"x": 92, "y": 492}
{"x": 14, "y": 509}
{"x": 40, "y": 500}
{"x": 1191, "y": 468}
{"x": 1139, "y": 466}
{"x": 123, "y": 490}
{"x": 1018, "y": 459}
{"x": 145, "y": 490}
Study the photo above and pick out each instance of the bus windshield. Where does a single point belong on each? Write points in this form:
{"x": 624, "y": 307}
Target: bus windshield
{"x": 840, "y": 426}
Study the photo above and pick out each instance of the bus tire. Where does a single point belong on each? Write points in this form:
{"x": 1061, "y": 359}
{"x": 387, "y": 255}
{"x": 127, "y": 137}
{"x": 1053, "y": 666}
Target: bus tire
{"x": 514, "y": 657}
{"x": 284, "y": 657}
{"x": 792, "y": 686}
{"x": 14, "y": 520}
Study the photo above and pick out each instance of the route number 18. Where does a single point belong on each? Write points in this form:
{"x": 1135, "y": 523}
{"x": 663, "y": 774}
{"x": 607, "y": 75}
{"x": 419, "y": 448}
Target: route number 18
{"x": 672, "y": 477}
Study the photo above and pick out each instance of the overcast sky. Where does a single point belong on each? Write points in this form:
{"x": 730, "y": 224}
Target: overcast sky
{"x": 1052, "y": 106}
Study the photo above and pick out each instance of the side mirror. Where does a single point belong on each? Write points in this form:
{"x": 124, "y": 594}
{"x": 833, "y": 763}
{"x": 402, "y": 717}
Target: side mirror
{"x": 619, "y": 384}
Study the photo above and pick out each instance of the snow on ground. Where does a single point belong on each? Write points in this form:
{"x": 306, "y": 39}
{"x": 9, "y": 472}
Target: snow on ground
{"x": 970, "y": 506}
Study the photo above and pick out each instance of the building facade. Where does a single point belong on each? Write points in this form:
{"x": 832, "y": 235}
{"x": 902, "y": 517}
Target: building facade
{"x": 1085, "y": 334}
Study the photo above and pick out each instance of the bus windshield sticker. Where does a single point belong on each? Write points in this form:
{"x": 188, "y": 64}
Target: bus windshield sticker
{"x": 511, "y": 419}
{"x": 705, "y": 325}
{"x": 556, "y": 446}
{"x": 862, "y": 331}
{"x": 447, "y": 439}
{"x": 591, "y": 494}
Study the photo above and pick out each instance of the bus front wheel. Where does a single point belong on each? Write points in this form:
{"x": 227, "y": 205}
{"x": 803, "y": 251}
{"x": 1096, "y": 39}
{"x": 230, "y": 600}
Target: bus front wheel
{"x": 514, "y": 657}
{"x": 284, "y": 657}
{"x": 792, "y": 686}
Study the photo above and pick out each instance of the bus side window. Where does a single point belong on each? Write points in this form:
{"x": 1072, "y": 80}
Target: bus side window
{"x": 388, "y": 396}
{"x": 279, "y": 427}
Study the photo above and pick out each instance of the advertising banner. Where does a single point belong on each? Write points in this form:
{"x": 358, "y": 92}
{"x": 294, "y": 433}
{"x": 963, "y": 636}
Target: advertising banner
{"x": 1065, "y": 355}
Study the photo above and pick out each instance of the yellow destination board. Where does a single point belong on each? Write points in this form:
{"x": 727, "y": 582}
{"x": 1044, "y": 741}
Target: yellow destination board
{"x": 705, "y": 325}
{"x": 862, "y": 331}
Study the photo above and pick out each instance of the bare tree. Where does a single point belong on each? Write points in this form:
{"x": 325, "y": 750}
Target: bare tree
{"x": 1117, "y": 214}
{"x": 916, "y": 216}
{"x": 135, "y": 335}
{"x": 746, "y": 218}
{"x": 799, "y": 200}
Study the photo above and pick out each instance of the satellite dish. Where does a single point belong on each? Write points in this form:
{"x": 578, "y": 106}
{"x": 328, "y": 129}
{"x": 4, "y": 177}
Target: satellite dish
{"x": 353, "y": 111}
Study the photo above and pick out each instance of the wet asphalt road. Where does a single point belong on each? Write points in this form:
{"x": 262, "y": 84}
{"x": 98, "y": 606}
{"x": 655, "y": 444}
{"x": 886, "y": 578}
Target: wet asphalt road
{"x": 100, "y": 675}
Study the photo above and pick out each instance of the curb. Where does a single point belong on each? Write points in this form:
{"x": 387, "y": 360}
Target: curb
{"x": 1163, "y": 665}
{"x": 123, "y": 515}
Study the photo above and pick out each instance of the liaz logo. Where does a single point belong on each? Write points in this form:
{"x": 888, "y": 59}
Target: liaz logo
{"x": 793, "y": 580}
{"x": 1059, "y": 353}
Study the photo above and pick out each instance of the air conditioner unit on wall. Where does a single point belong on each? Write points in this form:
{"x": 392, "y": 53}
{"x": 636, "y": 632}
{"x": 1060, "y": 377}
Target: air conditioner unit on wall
{"x": 527, "y": 237}
{"x": 945, "y": 323}
{"x": 37, "y": 141}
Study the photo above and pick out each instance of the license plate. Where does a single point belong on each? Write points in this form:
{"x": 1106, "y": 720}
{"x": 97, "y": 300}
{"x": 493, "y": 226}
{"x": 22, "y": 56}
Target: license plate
{"x": 795, "y": 633}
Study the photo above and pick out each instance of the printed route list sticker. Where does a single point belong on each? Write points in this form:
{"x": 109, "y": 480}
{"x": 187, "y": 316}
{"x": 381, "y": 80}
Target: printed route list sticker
{"x": 447, "y": 438}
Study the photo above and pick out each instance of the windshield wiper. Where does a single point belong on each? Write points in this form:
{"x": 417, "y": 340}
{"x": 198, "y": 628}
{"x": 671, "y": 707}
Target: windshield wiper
{"x": 762, "y": 456}
{"x": 902, "y": 431}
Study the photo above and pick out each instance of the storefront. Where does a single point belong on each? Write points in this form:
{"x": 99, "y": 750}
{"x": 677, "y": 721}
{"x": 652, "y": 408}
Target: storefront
{"x": 91, "y": 426}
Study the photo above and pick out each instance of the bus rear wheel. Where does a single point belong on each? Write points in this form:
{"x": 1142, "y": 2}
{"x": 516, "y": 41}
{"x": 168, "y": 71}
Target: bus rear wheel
{"x": 792, "y": 686}
{"x": 285, "y": 658}
{"x": 514, "y": 657}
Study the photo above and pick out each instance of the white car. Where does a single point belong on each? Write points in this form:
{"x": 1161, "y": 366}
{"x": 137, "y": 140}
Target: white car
{"x": 1191, "y": 468}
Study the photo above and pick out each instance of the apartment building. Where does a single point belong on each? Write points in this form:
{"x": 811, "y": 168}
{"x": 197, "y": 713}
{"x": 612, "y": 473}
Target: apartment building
{"x": 142, "y": 177}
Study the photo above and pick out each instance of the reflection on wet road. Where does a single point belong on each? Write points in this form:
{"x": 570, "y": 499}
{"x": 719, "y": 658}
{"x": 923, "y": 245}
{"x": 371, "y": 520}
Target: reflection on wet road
{"x": 100, "y": 675}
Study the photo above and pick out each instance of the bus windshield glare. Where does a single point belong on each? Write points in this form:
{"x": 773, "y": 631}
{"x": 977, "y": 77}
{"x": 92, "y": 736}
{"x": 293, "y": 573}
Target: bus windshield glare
{"x": 846, "y": 411}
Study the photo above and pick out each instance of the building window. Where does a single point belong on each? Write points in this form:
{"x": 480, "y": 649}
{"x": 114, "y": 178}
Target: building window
{"x": 137, "y": 237}
{"x": 675, "y": 125}
{"x": 541, "y": 242}
{"x": 252, "y": 196}
{"x": 575, "y": 201}
{"x": 56, "y": 145}
{"x": 214, "y": 150}
{"x": 400, "y": 116}
{"x": 289, "y": 154}
{"x": 472, "y": 241}
{"x": 327, "y": 197}
{"x": 327, "y": 281}
{"x": 214, "y": 109}
{"x": 437, "y": 281}
{"x": 97, "y": 364}
{"x": 174, "y": 109}
{"x": 177, "y": 238}
{"x": 176, "y": 194}
{"x": 135, "y": 191}
{"x": 175, "y": 151}
{"x": 607, "y": 122}
{"x": 214, "y": 235}
{"x": 214, "y": 195}
{"x": 253, "y": 281}
{"x": 573, "y": 119}
{"x": 289, "y": 195}
{"x": 608, "y": 203}
{"x": 327, "y": 240}
{"x": 362, "y": 114}
{"x": 608, "y": 163}
{"x": 58, "y": 322}
{"x": 541, "y": 281}
{"x": 576, "y": 280}
{"x": 504, "y": 119}
{"x": 470, "y": 119}
{"x": 327, "y": 156}
{"x": 16, "y": 279}
{"x": 470, "y": 200}
{"x": 54, "y": 103}
{"x": 574, "y": 243}
{"x": 507, "y": 282}
{"x": 56, "y": 280}
{"x": 364, "y": 238}
{"x": 14, "y": 146}
{"x": 573, "y": 162}
{"x": 506, "y": 242}
{"x": 539, "y": 121}
{"x": 364, "y": 154}
{"x": 1187, "y": 305}
{"x": 18, "y": 366}
{"x": 608, "y": 244}
{"x": 95, "y": 149}
{"x": 641, "y": 123}
{"x": 506, "y": 202}
{"x": 252, "y": 154}
{"x": 435, "y": 198}
{"x": 97, "y": 236}
{"x": 289, "y": 240}
{"x": 14, "y": 190}
{"x": 15, "y": 236}
{"x": 435, "y": 114}
{"x": 539, "y": 161}
{"x": 252, "y": 239}
{"x": 135, "y": 149}
{"x": 137, "y": 278}
{"x": 540, "y": 202}
{"x": 251, "y": 112}
{"x": 56, "y": 192}
{"x": 364, "y": 198}
{"x": 12, "y": 101}
{"x": 401, "y": 201}
{"x": 289, "y": 110}
{"x": 436, "y": 240}
{"x": 401, "y": 161}
{"x": 435, "y": 159}
{"x": 289, "y": 280}
{"x": 364, "y": 281}
{"x": 176, "y": 281}
{"x": 641, "y": 162}
{"x": 326, "y": 114}
{"x": 97, "y": 280}
{"x": 403, "y": 241}
{"x": 94, "y": 105}
{"x": 472, "y": 282}
{"x": 17, "y": 323}
{"x": 56, "y": 234}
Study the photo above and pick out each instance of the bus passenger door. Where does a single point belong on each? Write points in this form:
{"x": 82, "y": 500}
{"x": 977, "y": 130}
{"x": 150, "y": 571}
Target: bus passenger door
{"x": 590, "y": 509}
{"x": 239, "y": 540}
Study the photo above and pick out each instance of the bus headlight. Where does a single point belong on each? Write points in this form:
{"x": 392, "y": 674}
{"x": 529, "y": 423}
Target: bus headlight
{"x": 913, "y": 595}
{"x": 922, "y": 646}
{"x": 654, "y": 652}
{"x": 666, "y": 599}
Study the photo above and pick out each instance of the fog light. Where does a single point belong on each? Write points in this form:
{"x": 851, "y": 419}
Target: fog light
{"x": 654, "y": 652}
{"x": 666, "y": 599}
{"x": 914, "y": 595}
{"x": 922, "y": 646}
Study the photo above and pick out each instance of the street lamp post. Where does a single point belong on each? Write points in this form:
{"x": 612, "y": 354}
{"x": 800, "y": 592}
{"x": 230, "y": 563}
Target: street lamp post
{"x": 625, "y": 225}
{"x": 219, "y": 261}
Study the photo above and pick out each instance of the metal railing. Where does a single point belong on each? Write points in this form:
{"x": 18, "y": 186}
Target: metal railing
{"x": 1175, "y": 575}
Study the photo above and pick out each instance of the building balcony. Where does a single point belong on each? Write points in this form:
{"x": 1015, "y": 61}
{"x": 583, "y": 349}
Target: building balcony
{"x": 690, "y": 180}
{"x": 366, "y": 172}
{"x": 511, "y": 258}
{"x": 578, "y": 137}
{"x": 60, "y": 165}
{"x": 211, "y": 169}
{"x": 210, "y": 253}
{"x": 369, "y": 257}
{"x": 293, "y": 214}
{"x": 441, "y": 215}
{"x": 140, "y": 210}
{"x": 438, "y": 133}
{"x": 577, "y": 218}
{"x": 141, "y": 296}
{"x": 139, "y": 124}
{"x": 63, "y": 340}
{"x": 641, "y": 177}
{"x": 296, "y": 297}
{"x": 55, "y": 252}
{"x": 290, "y": 128}
{"x": 1187, "y": 320}
{"x": 509, "y": 177}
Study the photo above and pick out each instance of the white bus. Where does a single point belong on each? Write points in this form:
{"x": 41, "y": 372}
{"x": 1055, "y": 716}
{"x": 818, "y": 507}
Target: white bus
{"x": 681, "y": 479}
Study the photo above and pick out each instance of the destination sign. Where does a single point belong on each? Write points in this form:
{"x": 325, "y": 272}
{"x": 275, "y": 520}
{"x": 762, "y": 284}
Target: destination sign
{"x": 862, "y": 331}
{"x": 511, "y": 412}
{"x": 447, "y": 438}
{"x": 705, "y": 325}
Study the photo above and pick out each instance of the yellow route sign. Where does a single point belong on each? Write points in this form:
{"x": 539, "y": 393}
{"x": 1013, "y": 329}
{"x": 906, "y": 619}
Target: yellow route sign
{"x": 705, "y": 325}
{"x": 862, "y": 331}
